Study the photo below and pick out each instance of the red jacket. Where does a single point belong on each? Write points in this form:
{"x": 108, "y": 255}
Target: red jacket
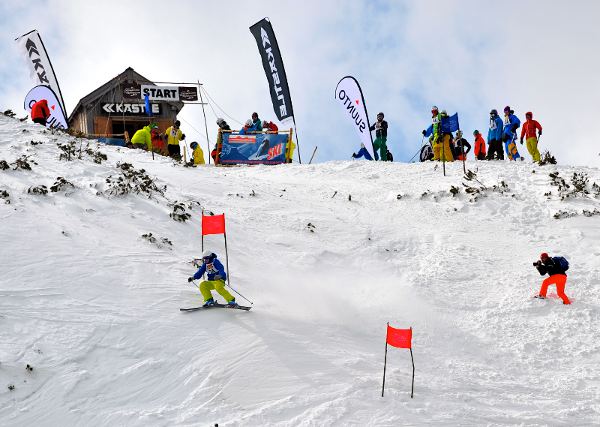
{"x": 40, "y": 110}
{"x": 270, "y": 127}
{"x": 529, "y": 128}
{"x": 479, "y": 145}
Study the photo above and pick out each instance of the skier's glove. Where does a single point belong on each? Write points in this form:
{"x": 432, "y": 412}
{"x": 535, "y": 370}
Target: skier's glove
{"x": 521, "y": 141}
{"x": 540, "y": 133}
{"x": 190, "y": 279}
{"x": 424, "y": 132}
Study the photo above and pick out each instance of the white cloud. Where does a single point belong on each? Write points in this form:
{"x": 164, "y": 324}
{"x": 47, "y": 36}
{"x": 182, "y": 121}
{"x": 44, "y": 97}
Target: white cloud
{"x": 465, "y": 56}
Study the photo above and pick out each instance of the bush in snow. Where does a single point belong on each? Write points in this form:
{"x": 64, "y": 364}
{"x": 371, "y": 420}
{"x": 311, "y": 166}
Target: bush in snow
{"x": 4, "y": 195}
{"x": 9, "y": 113}
{"x": 32, "y": 142}
{"x": 160, "y": 242}
{"x": 40, "y": 190}
{"x": 179, "y": 213}
{"x": 23, "y": 162}
{"x": 68, "y": 151}
{"x": 4, "y": 165}
{"x": 578, "y": 186}
{"x": 547, "y": 159}
{"x": 132, "y": 181}
{"x": 60, "y": 184}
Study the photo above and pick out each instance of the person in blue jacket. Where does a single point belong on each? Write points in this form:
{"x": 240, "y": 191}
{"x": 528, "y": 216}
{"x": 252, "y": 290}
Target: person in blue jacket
{"x": 509, "y": 133}
{"x": 216, "y": 279}
{"x": 495, "y": 137}
{"x": 363, "y": 152}
{"x": 256, "y": 124}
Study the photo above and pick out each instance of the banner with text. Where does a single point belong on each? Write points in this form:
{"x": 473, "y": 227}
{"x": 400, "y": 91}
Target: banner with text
{"x": 268, "y": 149}
{"x": 273, "y": 65}
{"x": 42, "y": 73}
{"x": 57, "y": 117}
{"x": 168, "y": 93}
{"x": 350, "y": 97}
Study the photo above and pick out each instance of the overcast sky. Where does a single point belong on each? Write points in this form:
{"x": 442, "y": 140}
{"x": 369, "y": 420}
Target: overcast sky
{"x": 463, "y": 56}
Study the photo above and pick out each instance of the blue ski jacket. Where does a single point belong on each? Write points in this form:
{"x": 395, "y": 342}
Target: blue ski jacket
{"x": 511, "y": 125}
{"x": 213, "y": 270}
{"x": 495, "y": 131}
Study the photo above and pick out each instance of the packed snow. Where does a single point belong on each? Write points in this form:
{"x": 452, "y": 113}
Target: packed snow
{"x": 328, "y": 253}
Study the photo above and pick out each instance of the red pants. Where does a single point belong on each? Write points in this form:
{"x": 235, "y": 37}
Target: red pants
{"x": 559, "y": 280}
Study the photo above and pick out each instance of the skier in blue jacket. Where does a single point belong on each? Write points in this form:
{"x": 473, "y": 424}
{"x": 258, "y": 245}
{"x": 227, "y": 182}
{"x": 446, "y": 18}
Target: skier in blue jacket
{"x": 495, "y": 136}
{"x": 216, "y": 279}
{"x": 509, "y": 133}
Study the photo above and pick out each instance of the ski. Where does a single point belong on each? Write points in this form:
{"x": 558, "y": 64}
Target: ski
{"x": 217, "y": 305}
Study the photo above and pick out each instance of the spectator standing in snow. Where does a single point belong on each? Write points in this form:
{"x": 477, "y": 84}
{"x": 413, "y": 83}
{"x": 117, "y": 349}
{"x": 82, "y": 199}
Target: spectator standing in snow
{"x": 529, "y": 131}
{"x": 216, "y": 279}
{"x": 479, "y": 146}
{"x": 173, "y": 135}
{"x": 363, "y": 152}
{"x": 495, "y": 136}
{"x": 40, "y": 112}
{"x": 460, "y": 144}
{"x": 509, "y": 133}
{"x": 216, "y": 152}
{"x": 556, "y": 268}
{"x": 269, "y": 127}
{"x": 380, "y": 127}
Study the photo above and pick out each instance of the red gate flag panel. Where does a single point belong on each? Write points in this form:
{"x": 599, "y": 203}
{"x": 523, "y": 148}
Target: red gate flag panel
{"x": 213, "y": 224}
{"x": 400, "y": 338}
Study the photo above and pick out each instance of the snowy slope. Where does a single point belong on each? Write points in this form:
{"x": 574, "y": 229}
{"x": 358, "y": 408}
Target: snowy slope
{"x": 94, "y": 308}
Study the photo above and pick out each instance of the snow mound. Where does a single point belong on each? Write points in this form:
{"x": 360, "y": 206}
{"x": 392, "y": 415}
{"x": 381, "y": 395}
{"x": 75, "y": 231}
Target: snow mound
{"x": 91, "y": 282}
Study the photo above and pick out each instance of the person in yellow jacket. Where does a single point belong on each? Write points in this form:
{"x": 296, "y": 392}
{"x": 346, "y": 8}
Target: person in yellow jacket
{"x": 441, "y": 140}
{"x": 173, "y": 135}
{"x": 197, "y": 154}
{"x": 143, "y": 137}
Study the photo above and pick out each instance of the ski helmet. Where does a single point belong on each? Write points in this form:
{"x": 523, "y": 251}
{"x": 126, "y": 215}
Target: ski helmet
{"x": 444, "y": 112}
{"x": 207, "y": 254}
{"x": 459, "y": 133}
{"x": 475, "y": 132}
{"x": 193, "y": 144}
{"x": 220, "y": 121}
{"x": 380, "y": 114}
{"x": 249, "y": 122}
{"x": 507, "y": 109}
{"x": 177, "y": 123}
{"x": 544, "y": 256}
{"x": 494, "y": 112}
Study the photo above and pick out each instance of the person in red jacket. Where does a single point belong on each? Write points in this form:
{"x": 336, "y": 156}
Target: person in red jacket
{"x": 528, "y": 131}
{"x": 479, "y": 146}
{"x": 269, "y": 127}
{"x": 40, "y": 112}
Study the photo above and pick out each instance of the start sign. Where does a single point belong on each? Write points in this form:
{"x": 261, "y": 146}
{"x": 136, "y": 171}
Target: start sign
{"x": 160, "y": 93}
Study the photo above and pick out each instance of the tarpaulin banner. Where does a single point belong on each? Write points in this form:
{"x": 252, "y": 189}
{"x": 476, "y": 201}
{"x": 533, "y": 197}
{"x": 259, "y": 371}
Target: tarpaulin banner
{"x": 273, "y": 65}
{"x": 349, "y": 95}
{"x": 269, "y": 149}
{"x": 57, "y": 117}
{"x": 32, "y": 47}
{"x": 450, "y": 123}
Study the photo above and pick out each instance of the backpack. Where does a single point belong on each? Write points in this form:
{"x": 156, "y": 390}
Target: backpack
{"x": 562, "y": 262}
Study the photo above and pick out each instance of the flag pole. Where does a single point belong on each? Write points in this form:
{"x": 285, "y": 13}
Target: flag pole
{"x": 205, "y": 125}
{"x": 227, "y": 266}
{"x": 413, "y": 365}
{"x": 443, "y": 153}
{"x": 385, "y": 358}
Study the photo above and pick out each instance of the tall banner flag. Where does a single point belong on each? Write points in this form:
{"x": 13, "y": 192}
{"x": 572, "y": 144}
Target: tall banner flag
{"x": 399, "y": 338}
{"x": 349, "y": 95}
{"x": 57, "y": 117}
{"x": 32, "y": 47}
{"x": 450, "y": 123}
{"x": 273, "y": 64}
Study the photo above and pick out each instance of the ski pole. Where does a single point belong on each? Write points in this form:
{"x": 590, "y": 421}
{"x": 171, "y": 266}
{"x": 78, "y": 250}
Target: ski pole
{"x": 418, "y": 150}
{"x": 240, "y": 294}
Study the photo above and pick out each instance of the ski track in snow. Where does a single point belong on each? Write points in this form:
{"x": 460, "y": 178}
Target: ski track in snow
{"x": 94, "y": 308}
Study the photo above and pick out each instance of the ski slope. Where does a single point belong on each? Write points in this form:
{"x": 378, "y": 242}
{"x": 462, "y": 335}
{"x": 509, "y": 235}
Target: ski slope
{"x": 94, "y": 308}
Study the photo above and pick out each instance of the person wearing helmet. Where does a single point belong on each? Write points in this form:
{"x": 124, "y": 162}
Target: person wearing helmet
{"x": 246, "y": 128}
{"x": 216, "y": 152}
{"x": 216, "y": 279}
{"x": 460, "y": 145}
{"x": 529, "y": 131}
{"x": 142, "y": 138}
{"x": 495, "y": 136}
{"x": 479, "y": 146}
{"x": 173, "y": 135}
{"x": 444, "y": 145}
{"x": 380, "y": 127}
{"x": 197, "y": 155}
{"x": 556, "y": 268}
{"x": 509, "y": 133}
{"x": 436, "y": 138}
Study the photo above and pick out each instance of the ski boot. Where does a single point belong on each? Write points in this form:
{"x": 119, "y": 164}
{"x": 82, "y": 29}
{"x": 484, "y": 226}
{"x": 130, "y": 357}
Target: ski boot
{"x": 209, "y": 302}
{"x": 232, "y": 303}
